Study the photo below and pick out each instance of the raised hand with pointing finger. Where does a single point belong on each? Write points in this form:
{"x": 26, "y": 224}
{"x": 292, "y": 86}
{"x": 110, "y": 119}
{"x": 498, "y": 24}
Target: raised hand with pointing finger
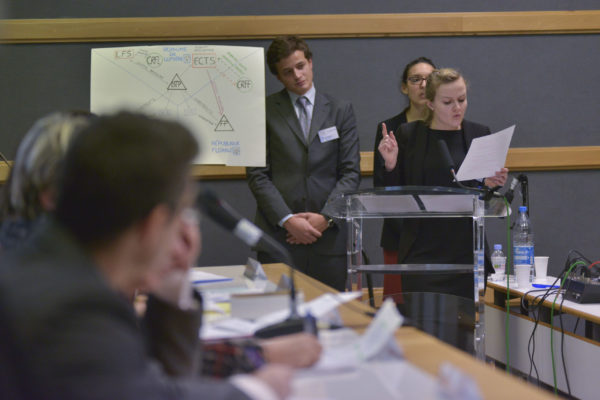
{"x": 388, "y": 148}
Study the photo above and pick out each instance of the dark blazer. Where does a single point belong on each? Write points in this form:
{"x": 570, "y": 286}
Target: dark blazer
{"x": 392, "y": 227}
{"x": 79, "y": 339}
{"x": 301, "y": 176}
{"x": 412, "y": 146}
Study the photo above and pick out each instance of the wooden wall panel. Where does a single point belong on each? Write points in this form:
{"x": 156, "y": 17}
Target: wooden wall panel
{"x": 309, "y": 26}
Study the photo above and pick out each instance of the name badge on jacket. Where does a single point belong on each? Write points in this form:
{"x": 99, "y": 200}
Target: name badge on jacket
{"x": 328, "y": 134}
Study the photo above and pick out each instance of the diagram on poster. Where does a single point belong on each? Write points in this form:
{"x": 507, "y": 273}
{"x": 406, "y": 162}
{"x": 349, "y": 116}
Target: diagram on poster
{"x": 216, "y": 91}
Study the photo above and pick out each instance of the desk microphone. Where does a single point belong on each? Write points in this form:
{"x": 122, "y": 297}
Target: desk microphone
{"x": 223, "y": 214}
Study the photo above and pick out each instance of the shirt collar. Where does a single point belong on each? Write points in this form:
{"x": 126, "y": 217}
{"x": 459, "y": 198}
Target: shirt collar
{"x": 310, "y": 95}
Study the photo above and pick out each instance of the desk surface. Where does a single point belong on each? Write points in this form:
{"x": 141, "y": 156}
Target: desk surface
{"x": 421, "y": 349}
{"x": 590, "y": 312}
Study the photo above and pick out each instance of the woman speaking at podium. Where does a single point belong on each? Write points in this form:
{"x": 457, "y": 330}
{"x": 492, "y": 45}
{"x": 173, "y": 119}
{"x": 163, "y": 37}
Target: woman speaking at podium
{"x": 415, "y": 159}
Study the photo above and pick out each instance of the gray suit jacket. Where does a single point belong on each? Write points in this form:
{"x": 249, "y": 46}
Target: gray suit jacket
{"x": 301, "y": 176}
{"x": 79, "y": 339}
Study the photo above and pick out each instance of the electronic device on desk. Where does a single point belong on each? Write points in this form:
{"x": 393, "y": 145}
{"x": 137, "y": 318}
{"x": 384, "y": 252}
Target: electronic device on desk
{"x": 582, "y": 289}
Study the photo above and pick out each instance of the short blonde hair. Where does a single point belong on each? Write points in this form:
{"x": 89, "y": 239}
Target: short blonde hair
{"x": 36, "y": 164}
{"x": 436, "y": 79}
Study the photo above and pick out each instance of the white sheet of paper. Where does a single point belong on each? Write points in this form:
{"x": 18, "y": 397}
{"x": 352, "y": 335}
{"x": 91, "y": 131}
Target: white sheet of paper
{"x": 381, "y": 330}
{"x": 318, "y": 307}
{"x": 378, "y": 342}
{"x": 198, "y": 276}
{"x": 396, "y": 379}
{"x": 216, "y": 91}
{"x": 486, "y": 155}
{"x": 227, "y": 328}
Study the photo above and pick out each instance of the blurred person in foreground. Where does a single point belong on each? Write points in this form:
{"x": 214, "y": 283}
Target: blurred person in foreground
{"x": 30, "y": 196}
{"x": 30, "y": 190}
{"x": 121, "y": 223}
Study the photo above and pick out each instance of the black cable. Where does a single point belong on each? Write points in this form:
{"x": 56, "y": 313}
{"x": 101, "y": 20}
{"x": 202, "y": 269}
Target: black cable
{"x": 568, "y": 262}
{"x": 576, "y": 324}
{"x": 562, "y": 344}
{"x": 536, "y": 306}
{"x": 531, "y": 342}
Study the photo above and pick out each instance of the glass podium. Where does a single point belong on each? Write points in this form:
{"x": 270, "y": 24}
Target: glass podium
{"x": 419, "y": 202}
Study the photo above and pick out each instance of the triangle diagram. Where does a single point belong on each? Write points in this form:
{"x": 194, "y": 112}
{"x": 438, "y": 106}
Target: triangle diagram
{"x": 223, "y": 125}
{"x": 176, "y": 84}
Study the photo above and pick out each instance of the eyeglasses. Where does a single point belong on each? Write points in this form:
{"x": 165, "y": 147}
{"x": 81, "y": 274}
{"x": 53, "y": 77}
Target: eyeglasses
{"x": 416, "y": 79}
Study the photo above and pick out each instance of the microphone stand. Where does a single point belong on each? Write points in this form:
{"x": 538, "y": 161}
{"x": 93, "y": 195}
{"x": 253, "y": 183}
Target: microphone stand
{"x": 294, "y": 322}
{"x": 224, "y": 215}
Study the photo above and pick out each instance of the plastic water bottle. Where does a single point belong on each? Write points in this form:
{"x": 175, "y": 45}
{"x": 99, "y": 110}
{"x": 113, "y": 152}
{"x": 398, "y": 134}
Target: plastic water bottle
{"x": 499, "y": 263}
{"x": 523, "y": 241}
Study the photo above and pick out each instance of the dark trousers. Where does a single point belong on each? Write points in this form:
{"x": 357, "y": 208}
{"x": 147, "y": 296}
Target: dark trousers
{"x": 332, "y": 270}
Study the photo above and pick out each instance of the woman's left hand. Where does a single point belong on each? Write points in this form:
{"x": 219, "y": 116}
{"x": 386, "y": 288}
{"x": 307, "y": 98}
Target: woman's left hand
{"x": 499, "y": 179}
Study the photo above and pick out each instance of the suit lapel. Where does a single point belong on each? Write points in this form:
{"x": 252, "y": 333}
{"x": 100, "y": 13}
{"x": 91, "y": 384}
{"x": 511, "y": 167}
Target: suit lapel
{"x": 285, "y": 108}
{"x": 320, "y": 112}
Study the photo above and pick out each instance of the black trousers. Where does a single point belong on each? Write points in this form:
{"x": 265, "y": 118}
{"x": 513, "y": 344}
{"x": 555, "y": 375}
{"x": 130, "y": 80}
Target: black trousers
{"x": 331, "y": 270}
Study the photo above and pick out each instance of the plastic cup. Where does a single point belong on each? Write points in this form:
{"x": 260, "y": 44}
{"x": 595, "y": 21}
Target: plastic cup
{"x": 541, "y": 268}
{"x": 523, "y": 272}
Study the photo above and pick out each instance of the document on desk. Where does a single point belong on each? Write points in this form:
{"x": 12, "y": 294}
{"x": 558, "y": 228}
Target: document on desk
{"x": 486, "y": 155}
{"x": 318, "y": 308}
{"x": 377, "y": 343}
{"x": 198, "y": 277}
{"x": 396, "y": 379}
{"x": 237, "y": 327}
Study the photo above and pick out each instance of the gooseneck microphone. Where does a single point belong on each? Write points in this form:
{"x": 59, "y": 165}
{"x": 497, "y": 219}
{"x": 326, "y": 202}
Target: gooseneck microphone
{"x": 524, "y": 190}
{"x": 223, "y": 214}
{"x": 510, "y": 193}
{"x": 445, "y": 153}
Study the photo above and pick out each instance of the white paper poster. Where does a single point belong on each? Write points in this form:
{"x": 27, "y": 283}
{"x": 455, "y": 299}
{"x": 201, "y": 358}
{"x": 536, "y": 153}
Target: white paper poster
{"x": 216, "y": 91}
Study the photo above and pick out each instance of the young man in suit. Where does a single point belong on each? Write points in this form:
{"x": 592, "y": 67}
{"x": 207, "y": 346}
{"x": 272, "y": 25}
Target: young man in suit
{"x": 312, "y": 155}
{"x": 122, "y": 222}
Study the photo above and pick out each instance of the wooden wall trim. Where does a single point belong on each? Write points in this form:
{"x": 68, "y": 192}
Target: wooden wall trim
{"x": 518, "y": 159}
{"x": 161, "y": 29}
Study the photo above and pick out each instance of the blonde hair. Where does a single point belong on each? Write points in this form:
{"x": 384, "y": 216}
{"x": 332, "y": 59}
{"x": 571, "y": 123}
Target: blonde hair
{"x": 437, "y": 78}
{"x": 36, "y": 164}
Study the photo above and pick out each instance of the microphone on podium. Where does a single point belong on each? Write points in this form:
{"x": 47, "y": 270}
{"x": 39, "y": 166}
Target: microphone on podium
{"x": 510, "y": 193}
{"x": 223, "y": 214}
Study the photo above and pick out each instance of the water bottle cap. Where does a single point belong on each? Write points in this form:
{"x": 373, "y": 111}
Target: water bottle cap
{"x": 497, "y": 247}
{"x": 523, "y": 209}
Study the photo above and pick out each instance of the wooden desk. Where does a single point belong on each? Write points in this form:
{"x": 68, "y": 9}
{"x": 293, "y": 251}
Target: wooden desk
{"x": 582, "y": 354}
{"x": 421, "y": 349}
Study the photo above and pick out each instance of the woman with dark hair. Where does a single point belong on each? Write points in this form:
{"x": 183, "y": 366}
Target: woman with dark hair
{"x": 412, "y": 85}
{"x": 411, "y": 157}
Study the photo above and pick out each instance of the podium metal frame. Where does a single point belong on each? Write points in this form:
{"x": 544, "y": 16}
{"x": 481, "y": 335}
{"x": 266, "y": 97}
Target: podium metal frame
{"x": 419, "y": 202}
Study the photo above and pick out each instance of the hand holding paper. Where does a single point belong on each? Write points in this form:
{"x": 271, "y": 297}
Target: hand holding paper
{"x": 486, "y": 155}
